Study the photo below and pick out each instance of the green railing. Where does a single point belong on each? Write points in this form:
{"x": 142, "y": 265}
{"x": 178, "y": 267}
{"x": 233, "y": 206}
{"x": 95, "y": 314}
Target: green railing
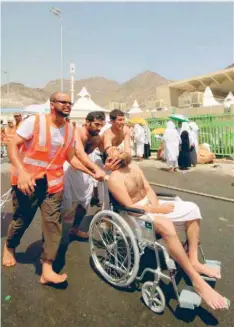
{"x": 216, "y": 130}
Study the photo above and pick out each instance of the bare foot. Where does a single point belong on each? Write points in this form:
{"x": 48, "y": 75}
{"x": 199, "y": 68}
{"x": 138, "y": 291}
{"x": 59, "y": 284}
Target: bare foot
{"x": 212, "y": 298}
{"x": 171, "y": 170}
{"x": 205, "y": 270}
{"x": 53, "y": 278}
{"x": 76, "y": 232}
{"x": 49, "y": 276}
{"x": 8, "y": 257}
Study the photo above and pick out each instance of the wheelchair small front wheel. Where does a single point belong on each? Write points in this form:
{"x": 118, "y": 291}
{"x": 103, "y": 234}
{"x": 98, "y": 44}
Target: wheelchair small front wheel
{"x": 153, "y": 298}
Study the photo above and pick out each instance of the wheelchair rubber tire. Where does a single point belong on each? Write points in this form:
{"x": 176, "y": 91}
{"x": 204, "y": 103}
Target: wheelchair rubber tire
{"x": 157, "y": 307}
{"x": 116, "y": 220}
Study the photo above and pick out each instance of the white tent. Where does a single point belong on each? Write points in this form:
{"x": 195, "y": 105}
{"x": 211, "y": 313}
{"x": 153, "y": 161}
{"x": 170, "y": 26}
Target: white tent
{"x": 38, "y": 108}
{"x": 208, "y": 98}
{"x": 84, "y": 105}
{"x": 135, "y": 108}
{"x": 229, "y": 100}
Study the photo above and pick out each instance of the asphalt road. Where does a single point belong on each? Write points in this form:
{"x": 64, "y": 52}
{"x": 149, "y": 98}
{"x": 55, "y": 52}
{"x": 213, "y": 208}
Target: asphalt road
{"x": 87, "y": 300}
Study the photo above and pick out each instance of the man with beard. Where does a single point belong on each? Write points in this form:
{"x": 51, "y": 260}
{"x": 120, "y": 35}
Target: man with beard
{"x": 38, "y": 150}
{"x": 78, "y": 187}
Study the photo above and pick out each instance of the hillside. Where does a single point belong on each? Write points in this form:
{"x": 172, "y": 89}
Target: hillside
{"x": 141, "y": 87}
{"x": 21, "y": 96}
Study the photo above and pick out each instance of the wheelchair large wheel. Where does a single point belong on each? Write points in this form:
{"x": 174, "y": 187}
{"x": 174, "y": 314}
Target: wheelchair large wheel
{"x": 153, "y": 297}
{"x": 114, "y": 249}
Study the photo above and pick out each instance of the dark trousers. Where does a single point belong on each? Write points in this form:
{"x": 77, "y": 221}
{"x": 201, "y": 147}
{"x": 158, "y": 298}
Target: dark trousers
{"x": 24, "y": 209}
{"x": 147, "y": 151}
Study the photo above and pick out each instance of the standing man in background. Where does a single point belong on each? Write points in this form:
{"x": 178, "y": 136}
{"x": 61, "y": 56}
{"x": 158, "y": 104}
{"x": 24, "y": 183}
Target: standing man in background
{"x": 147, "y": 142}
{"x": 139, "y": 136}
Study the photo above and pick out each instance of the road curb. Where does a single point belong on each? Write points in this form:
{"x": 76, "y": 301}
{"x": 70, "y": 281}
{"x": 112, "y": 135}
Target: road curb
{"x": 193, "y": 192}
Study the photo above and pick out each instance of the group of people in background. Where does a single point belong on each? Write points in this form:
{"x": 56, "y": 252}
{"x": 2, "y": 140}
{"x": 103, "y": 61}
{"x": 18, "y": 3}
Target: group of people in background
{"x": 9, "y": 131}
{"x": 140, "y": 140}
{"x": 181, "y": 145}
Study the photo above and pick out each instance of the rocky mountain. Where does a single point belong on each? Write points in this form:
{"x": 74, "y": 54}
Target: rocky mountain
{"x": 20, "y": 95}
{"x": 230, "y": 66}
{"x": 141, "y": 87}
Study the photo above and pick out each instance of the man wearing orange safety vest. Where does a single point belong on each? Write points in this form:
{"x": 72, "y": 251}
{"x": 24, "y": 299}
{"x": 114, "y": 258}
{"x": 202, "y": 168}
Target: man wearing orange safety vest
{"x": 46, "y": 142}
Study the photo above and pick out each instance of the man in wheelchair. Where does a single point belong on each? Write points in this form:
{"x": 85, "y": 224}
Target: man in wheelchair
{"x": 130, "y": 188}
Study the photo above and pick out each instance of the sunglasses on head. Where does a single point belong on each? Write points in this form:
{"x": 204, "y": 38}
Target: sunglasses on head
{"x": 64, "y": 102}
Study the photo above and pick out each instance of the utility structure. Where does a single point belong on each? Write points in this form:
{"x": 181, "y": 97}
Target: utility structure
{"x": 72, "y": 76}
{"x": 58, "y": 12}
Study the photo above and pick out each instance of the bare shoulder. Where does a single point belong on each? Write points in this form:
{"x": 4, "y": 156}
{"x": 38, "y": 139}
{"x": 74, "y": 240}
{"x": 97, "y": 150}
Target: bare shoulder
{"x": 114, "y": 176}
{"x": 126, "y": 130}
{"x": 79, "y": 132}
{"x": 107, "y": 133}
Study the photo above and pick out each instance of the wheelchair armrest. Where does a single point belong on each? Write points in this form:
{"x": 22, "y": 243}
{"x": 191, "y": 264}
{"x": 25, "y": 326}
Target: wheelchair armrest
{"x": 130, "y": 209}
{"x": 167, "y": 195}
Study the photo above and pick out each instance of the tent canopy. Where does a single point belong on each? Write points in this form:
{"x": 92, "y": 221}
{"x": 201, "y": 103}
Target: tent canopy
{"x": 84, "y": 105}
{"x": 135, "y": 108}
{"x": 38, "y": 108}
{"x": 208, "y": 98}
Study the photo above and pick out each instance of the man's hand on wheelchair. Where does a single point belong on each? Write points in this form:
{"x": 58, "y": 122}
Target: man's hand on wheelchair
{"x": 165, "y": 208}
{"x": 99, "y": 175}
{"x": 112, "y": 163}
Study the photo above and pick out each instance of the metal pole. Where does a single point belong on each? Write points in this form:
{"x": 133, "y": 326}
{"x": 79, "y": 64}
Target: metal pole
{"x": 61, "y": 40}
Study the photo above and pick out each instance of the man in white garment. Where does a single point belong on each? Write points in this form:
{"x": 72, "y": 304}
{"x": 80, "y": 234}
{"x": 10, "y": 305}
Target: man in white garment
{"x": 172, "y": 141}
{"x": 130, "y": 188}
{"x": 78, "y": 186}
{"x": 98, "y": 197}
{"x": 139, "y": 137}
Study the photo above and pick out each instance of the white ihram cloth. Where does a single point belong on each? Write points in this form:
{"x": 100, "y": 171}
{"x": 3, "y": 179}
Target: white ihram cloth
{"x": 139, "y": 136}
{"x": 172, "y": 141}
{"x": 194, "y": 130}
{"x": 183, "y": 211}
{"x": 78, "y": 188}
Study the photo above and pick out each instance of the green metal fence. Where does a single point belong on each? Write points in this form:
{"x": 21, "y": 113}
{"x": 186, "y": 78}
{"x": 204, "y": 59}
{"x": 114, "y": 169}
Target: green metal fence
{"x": 216, "y": 130}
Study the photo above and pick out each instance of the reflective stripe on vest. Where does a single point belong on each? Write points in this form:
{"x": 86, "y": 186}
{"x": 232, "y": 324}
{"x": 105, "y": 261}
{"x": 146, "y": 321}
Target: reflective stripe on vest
{"x": 40, "y": 163}
{"x": 55, "y": 181}
{"x": 42, "y": 129}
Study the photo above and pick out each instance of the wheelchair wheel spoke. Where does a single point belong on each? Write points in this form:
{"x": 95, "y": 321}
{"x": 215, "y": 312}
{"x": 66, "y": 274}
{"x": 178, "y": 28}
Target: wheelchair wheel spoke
{"x": 112, "y": 249}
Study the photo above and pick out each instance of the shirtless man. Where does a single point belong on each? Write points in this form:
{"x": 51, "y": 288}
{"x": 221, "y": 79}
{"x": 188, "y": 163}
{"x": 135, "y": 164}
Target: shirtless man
{"x": 78, "y": 188}
{"x": 118, "y": 133}
{"x": 130, "y": 188}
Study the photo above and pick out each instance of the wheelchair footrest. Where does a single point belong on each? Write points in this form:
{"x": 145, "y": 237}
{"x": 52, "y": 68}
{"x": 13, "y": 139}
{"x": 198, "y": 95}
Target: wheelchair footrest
{"x": 212, "y": 264}
{"x": 189, "y": 299}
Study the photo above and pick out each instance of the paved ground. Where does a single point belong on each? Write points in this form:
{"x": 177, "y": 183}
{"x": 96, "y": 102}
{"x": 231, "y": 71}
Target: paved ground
{"x": 88, "y": 300}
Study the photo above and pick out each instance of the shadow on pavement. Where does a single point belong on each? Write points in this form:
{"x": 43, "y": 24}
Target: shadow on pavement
{"x": 31, "y": 256}
{"x": 6, "y": 218}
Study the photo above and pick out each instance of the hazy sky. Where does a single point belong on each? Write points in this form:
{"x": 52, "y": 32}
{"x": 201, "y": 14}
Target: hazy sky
{"x": 116, "y": 40}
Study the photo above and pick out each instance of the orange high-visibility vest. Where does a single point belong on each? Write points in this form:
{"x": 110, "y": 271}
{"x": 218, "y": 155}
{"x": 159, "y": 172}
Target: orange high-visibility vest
{"x": 36, "y": 158}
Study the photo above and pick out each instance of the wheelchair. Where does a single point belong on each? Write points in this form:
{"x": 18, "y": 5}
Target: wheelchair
{"x": 118, "y": 240}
